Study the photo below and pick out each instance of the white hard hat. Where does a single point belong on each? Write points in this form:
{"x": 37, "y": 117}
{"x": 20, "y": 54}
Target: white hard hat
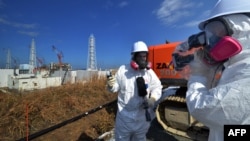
{"x": 226, "y": 7}
{"x": 139, "y": 46}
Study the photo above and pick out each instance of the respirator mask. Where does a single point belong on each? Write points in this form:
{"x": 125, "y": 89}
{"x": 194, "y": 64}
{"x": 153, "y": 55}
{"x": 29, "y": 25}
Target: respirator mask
{"x": 217, "y": 41}
{"x": 140, "y": 61}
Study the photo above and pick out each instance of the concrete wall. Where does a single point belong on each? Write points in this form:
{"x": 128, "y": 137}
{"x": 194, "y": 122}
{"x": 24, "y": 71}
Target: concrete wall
{"x": 78, "y": 75}
{"x": 38, "y": 81}
{"x": 4, "y": 73}
{"x": 25, "y": 83}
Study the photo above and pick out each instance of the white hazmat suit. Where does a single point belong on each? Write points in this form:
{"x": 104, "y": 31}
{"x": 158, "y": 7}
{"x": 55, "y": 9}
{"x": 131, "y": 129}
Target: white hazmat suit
{"x": 131, "y": 123}
{"x": 229, "y": 101}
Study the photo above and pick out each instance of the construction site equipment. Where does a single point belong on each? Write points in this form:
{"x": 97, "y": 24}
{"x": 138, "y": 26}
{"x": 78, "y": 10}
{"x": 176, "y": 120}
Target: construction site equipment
{"x": 40, "y": 61}
{"x": 59, "y": 55}
{"x": 172, "y": 112}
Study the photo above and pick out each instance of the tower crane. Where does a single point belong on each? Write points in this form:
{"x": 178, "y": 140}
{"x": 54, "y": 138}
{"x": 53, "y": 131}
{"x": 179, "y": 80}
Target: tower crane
{"x": 59, "y": 55}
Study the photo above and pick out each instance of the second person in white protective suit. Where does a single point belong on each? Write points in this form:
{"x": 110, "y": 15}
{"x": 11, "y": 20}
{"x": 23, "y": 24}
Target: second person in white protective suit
{"x": 226, "y": 49}
{"x": 138, "y": 89}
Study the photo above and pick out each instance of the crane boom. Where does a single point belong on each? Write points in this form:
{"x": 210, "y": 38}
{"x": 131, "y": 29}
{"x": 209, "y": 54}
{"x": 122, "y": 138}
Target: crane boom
{"x": 40, "y": 61}
{"x": 59, "y": 55}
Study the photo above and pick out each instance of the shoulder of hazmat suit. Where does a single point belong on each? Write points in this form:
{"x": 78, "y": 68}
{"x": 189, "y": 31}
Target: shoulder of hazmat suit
{"x": 228, "y": 101}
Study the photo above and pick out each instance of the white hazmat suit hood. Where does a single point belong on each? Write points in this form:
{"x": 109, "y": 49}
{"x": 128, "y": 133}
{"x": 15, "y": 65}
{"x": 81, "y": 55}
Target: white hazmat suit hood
{"x": 228, "y": 102}
{"x": 240, "y": 25}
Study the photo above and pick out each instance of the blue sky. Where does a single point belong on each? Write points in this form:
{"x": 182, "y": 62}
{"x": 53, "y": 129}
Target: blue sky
{"x": 115, "y": 24}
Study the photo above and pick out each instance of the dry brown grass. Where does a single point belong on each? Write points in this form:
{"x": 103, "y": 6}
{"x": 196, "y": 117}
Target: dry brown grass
{"x": 52, "y": 106}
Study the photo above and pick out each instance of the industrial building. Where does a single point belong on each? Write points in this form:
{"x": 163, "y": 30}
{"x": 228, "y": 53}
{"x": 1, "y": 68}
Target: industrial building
{"x": 31, "y": 76}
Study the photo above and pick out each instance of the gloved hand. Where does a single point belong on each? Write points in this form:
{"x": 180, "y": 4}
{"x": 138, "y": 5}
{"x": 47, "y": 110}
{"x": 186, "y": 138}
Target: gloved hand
{"x": 151, "y": 102}
{"x": 198, "y": 66}
{"x": 111, "y": 81}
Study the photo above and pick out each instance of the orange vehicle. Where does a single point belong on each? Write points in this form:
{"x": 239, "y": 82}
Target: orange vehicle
{"x": 172, "y": 112}
{"x": 161, "y": 58}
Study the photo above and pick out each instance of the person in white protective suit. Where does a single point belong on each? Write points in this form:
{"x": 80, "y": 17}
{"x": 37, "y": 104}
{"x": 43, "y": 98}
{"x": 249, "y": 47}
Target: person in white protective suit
{"x": 226, "y": 50}
{"x": 138, "y": 89}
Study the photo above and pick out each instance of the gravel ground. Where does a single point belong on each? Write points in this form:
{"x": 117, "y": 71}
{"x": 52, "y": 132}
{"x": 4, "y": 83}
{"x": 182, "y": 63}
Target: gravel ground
{"x": 157, "y": 133}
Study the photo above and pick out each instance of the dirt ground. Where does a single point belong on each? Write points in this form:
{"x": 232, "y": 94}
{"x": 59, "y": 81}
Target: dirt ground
{"x": 72, "y": 112}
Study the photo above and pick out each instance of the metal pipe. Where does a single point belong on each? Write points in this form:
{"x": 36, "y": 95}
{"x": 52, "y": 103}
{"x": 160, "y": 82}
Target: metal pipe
{"x": 44, "y": 131}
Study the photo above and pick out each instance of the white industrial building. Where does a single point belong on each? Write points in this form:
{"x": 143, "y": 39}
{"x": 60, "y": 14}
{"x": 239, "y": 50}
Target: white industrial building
{"x": 4, "y": 73}
{"x": 23, "y": 83}
{"x": 30, "y": 76}
{"x": 12, "y": 79}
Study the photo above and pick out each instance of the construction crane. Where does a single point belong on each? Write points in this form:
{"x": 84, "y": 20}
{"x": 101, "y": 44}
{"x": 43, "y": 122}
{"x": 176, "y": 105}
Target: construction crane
{"x": 15, "y": 61}
{"x": 40, "y": 61}
{"x": 59, "y": 55}
{"x": 8, "y": 58}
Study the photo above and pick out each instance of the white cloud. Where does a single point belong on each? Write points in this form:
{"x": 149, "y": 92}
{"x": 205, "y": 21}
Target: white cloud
{"x": 21, "y": 26}
{"x": 29, "y": 33}
{"x": 172, "y": 11}
{"x": 191, "y": 23}
{"x": 108, "y": 4}
{"x": 2, "y": 4}
{"x": 16, "y": 24}
{"x": 123, "y": 4}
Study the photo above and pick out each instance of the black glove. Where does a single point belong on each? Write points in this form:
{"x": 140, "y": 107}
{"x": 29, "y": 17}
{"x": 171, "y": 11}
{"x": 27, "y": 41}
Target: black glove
{"x": 181, "y": 61}
{"x": 196, "y": 40}
{"x": 142, "y": 89}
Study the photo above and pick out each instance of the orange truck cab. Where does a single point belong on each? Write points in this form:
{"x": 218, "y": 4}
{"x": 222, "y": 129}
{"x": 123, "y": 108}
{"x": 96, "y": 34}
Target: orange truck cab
{"x": 161, "y": 58}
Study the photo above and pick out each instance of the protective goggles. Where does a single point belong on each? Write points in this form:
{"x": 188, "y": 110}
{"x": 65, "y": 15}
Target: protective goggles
{"x": 214, "y": 32}
{"x": 217, "y": 41}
